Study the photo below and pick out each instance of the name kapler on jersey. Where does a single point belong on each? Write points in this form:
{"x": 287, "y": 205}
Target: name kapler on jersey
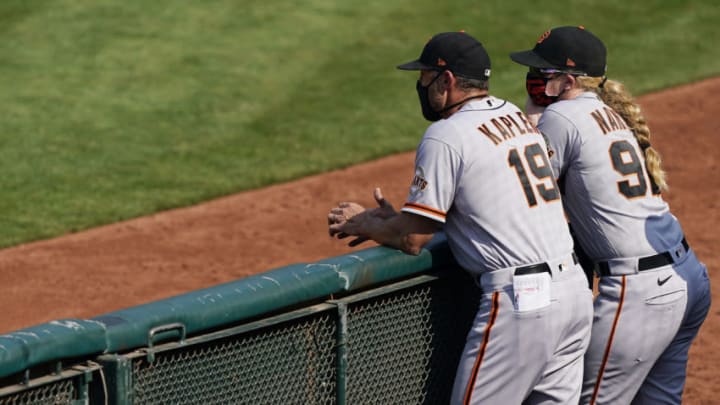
{"x": 507, "y": 127}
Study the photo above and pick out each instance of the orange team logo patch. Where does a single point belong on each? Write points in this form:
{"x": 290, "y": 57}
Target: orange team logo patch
{"x": 441, "y": 62}
{"x": 419, "y": 183}
{"x": 543, "y": 37}
{"x": 569, "y": 62}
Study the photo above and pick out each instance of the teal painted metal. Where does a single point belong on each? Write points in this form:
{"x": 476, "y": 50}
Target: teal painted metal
{"x": 215, "y": 307}
{"x": 69, "y": 387}
{"x": 82, "y": 384}
{"x": 237, "y": 364}
{"x": 341, "y": 382}
{"x": 49, "y": 342}
{"x": 220, "y": 305}
{"x": 266, "y": 292}
{"x": 117, "y": 379}
{"x": 380, "y": 264}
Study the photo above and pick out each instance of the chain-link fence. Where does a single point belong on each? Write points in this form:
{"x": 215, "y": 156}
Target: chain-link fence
{"x": 396, "y": 342}
{"x": 63, "y": 387}
{"x": 290, "y": 363}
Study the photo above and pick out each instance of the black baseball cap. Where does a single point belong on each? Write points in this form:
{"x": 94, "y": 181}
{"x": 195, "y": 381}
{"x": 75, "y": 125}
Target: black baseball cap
{"x": 457, "y": 52}
{"x": 571, "y": 49}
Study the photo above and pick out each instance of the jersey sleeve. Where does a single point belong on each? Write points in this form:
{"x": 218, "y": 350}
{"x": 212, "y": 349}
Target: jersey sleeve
{"x": 563, "y": 140}
{"x": 437, "y": 169}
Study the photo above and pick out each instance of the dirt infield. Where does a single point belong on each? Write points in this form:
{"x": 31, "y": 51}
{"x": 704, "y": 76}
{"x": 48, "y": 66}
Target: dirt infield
{"x": 150, "y": 258}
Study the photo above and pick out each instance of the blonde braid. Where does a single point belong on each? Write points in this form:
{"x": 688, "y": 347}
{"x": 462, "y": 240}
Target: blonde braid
{"x": 614, "y": 94}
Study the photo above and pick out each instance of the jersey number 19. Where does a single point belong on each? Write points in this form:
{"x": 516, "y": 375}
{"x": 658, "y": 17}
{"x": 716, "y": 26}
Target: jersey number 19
{"x": 537, "y": 161}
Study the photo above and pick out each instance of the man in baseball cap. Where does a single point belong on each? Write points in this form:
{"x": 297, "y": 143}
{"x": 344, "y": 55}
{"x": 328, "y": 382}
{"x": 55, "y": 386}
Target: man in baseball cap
{"x": 470, "y": 182}
{"x": 454, "y": 51}
{"x": 458, "y": 53}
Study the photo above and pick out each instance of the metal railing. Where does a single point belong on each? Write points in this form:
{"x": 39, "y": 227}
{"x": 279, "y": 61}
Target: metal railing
{"x": 392, "y": 333}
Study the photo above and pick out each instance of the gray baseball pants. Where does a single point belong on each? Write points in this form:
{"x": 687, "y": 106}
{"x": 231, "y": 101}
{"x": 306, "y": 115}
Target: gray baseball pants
{"x": 533, "y": 357}
{"x": 644, "y": 324}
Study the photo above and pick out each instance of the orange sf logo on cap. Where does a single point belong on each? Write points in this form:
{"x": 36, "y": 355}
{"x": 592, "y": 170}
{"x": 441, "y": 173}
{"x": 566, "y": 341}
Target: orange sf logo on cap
{"x": 441, "y": 62}
{"x": 543, "y": 36}
{"x": 569, "y": 62}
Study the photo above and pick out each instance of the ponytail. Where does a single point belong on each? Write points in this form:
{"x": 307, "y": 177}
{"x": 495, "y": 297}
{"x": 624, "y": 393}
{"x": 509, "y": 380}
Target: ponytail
{"x": 613, "y": 94}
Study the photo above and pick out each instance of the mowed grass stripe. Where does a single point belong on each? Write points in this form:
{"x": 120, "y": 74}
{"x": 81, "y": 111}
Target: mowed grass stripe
{"x": 116, "y": 109}
{"x": 135, "y": 116}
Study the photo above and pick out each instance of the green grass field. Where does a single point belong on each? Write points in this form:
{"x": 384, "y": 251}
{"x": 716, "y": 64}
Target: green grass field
{"x": 114, "y": 109}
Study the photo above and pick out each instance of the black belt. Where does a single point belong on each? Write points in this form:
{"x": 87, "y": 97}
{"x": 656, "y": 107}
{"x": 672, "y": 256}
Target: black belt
{"x": 538, "y": 268}
{"x": 532, "y": 269}
{"x": 644, "y": 263}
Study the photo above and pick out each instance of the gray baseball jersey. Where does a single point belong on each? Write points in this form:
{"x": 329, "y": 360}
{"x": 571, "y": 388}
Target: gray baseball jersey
{"x": 485, "y": 174}
{"x": 611, "y": 202}
{"x": 653, "y": 291}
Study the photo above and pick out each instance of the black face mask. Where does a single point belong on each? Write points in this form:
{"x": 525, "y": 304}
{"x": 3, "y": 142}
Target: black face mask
{"x": 535, "y": 85}
{"x": 428, "y": 112}
{"x": 423, "y": 94}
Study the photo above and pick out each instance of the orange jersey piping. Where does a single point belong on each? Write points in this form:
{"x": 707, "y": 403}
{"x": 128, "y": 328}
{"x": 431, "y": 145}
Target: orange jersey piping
{"x": 481, "y": 353}
{"x": 596, "y": 390}
{"x": 426, "y": 209}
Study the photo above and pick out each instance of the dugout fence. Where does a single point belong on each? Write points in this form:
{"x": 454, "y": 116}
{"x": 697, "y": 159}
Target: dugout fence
{"x": 377, "y": 326}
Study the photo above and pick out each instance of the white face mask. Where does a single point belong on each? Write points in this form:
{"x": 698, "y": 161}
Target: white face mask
{"x": 556, "y": 86}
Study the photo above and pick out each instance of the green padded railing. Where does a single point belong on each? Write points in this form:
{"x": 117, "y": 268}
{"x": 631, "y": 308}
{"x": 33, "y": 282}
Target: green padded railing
{"x": 334, "y": 331}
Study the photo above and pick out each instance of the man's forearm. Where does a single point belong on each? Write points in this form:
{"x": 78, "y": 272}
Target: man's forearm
{"x": 404, "y": 232}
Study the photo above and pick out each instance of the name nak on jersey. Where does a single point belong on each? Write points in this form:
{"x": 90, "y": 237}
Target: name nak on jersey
{"x": 507, "y": 127}
{"x": 610, "y": 121}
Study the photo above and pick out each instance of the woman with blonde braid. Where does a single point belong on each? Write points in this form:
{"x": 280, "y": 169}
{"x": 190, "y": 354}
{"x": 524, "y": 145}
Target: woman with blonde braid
{"x": 653, "y": 292}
